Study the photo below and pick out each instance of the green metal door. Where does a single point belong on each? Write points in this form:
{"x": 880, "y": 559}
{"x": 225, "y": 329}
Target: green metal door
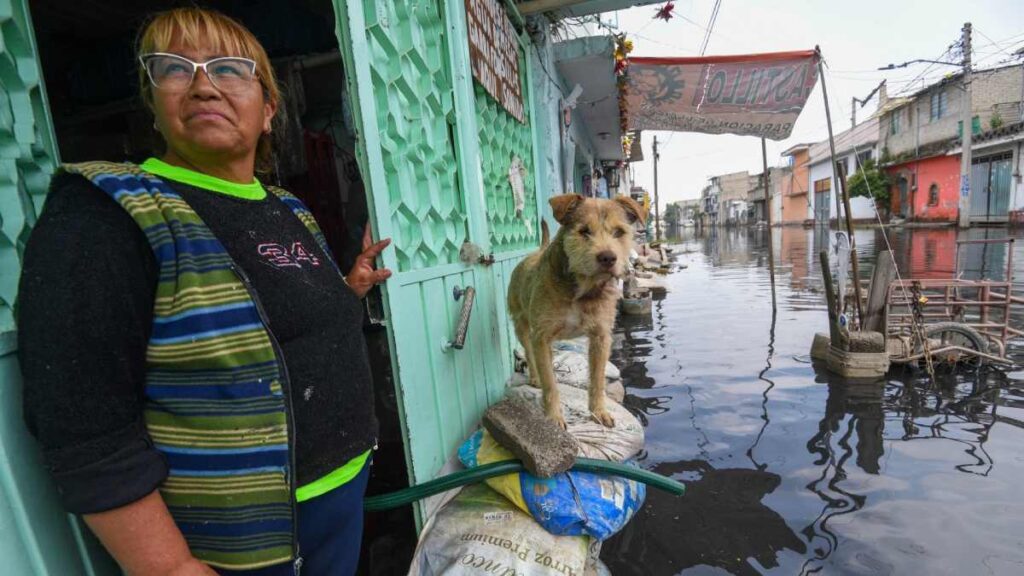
{"x": 421, "y": 166}
{"x": 38, "y": 537}
{"x": 990, "y": 188}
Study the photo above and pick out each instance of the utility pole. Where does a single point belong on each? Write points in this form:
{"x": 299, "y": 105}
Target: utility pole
{"x": 966, "y": 131}
{"x": 657, "y": 223}
{"x": 862, "y": 101}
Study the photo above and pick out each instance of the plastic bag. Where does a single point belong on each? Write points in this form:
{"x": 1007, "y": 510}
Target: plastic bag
{"x": 480, "y": 532}
{"x": 574, "y": 502}
{"x": 567, "y": 504}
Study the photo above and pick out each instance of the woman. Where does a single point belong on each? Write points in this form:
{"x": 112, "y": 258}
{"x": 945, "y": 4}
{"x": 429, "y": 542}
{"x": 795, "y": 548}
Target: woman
{"x": 600, "y": 185}
{"x": 194, "y": 365}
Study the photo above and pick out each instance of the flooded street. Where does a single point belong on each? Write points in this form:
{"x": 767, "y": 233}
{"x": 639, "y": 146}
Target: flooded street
{"x": 791, "y": 470}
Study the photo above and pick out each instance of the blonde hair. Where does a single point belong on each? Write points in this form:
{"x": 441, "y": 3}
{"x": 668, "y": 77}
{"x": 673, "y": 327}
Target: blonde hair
{"x": 199, "y": 28}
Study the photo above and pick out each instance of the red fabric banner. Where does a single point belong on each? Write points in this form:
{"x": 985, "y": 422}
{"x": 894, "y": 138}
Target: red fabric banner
{"x": 749, "y": 94}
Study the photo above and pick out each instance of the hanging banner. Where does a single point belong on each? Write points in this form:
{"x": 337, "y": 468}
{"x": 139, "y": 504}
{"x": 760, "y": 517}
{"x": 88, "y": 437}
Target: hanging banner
{"x": 494, "y": 54}
{"x": 751, "y": 94}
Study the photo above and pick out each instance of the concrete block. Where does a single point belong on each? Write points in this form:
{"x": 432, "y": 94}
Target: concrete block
{"x": 544, "y": 447}
{"x": 820, "y": 346}
{"x": 858, "y": 365}
{"x": 637, "y": 303}
{"x": 865, "y": 341}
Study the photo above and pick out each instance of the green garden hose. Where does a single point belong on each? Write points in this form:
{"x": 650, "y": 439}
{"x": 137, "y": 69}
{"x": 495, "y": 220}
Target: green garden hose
{"x": 481, "y": 473}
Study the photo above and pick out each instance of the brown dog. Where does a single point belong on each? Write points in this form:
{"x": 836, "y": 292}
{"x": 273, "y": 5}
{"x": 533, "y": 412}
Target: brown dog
{"x": 570, "y": 288}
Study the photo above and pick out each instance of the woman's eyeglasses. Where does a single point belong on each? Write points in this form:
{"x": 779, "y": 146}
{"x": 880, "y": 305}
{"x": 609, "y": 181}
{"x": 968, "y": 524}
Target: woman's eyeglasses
{"x": 174, "y": 73}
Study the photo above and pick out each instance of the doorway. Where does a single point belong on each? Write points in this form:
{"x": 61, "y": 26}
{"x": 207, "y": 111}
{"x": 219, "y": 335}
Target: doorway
{"x": 990, "y": 187}
{"x": 822, "y": 201}
{"x": 903, "y": 199}
{"x": 97, "y": 115}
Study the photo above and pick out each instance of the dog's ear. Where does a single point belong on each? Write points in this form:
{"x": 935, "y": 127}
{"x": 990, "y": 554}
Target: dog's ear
{"x": 634, "y": 211}
{"x": 564, "y": 205}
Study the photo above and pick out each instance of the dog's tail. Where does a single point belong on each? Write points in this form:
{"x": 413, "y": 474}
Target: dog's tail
{"x": 545, "y": 234}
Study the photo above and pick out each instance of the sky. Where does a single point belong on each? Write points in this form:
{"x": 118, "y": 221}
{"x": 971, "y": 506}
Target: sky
{"x": 856, "y": 38}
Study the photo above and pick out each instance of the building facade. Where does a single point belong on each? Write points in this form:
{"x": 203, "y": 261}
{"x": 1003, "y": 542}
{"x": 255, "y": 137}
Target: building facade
{"x": 918, "y": 143}
{"x": 732, "y": 194}
{"x": 796, "y": 202}
{"x": 853, "y": 147}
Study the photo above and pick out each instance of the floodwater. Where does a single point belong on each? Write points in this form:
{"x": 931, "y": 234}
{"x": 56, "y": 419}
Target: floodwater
{"x": 791, "y": 470}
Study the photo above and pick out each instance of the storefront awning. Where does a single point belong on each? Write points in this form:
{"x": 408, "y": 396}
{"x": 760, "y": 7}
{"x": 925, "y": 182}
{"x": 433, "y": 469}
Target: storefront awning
{"x": 590, "y": 63}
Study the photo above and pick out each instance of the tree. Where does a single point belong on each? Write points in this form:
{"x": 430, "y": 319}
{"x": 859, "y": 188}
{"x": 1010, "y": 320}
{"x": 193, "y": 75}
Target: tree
{"x": 870, "y": 181}
{"x": 673, "y": 213}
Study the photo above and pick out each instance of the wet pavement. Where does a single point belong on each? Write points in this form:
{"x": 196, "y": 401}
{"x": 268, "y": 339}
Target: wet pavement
{"x": 791, "y": 470}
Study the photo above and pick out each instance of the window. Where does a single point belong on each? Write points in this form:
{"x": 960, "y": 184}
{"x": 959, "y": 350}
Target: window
{"x": 975, "y": 127}
{"x": 823, "y": 185}
{"x": 894, "y": 122}
{"x": 862, "y": 158}
{"x": 933, "y": 195}
{"x": 938, "y": 105}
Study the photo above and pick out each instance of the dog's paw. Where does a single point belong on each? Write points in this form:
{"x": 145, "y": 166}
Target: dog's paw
{"x": 604, "y": 417}
{"x": 556, "y": 417}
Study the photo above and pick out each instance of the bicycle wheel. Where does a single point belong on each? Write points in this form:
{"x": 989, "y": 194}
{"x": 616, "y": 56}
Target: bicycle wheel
{"x": 944, "y": 334}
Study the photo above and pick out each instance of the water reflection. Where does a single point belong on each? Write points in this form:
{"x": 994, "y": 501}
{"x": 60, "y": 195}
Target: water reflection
{"x": 791, "y": 469}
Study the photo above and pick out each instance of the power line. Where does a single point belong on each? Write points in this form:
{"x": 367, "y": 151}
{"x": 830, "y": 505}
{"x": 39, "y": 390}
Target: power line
{"x": 996, "y": 44}
{"x": 711, "y": 26}
{"x": 946, "y": 52}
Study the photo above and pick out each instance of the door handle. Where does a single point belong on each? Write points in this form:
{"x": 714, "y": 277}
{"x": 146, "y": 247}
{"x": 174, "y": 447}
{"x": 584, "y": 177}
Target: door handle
{"x": 468, "y": 296}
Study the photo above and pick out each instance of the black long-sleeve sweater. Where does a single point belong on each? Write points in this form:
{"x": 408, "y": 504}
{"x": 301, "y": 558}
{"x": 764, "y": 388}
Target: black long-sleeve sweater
{"x": 84, "y": 319}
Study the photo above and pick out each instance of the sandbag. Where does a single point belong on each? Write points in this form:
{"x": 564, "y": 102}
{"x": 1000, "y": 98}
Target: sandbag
{"x": 596, "y": 440}
{"x": 570, "y": 361}
{"x": 567, "y": 504}
{"x": 480, "y": 532}
{"x": 614, "y": 389}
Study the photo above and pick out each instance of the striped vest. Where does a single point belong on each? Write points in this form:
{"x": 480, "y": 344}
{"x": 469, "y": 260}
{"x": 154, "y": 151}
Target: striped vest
{"x": 215, "y": 404}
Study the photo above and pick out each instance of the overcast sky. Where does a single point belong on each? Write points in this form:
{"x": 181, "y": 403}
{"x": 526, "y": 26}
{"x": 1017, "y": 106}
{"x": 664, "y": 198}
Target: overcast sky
{"x": 855, "y": 38}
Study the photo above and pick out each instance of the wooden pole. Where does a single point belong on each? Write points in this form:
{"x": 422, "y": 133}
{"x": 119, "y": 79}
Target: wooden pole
{"x": 840, "y": 190}
{"x": 768, "y": 217}
{"x": 831, "y": 139}
{"x": 878, "y": 291}
{"x": 657, "y": 214}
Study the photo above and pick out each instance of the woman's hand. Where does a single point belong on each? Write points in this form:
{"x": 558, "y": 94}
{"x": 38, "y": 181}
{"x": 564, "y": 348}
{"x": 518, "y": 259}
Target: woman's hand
{"x": 363, "y": 276}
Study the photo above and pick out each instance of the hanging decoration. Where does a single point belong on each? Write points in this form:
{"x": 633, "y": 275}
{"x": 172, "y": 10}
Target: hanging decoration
{"x": 623, "y": 47}
{"x": 665, "y": 12}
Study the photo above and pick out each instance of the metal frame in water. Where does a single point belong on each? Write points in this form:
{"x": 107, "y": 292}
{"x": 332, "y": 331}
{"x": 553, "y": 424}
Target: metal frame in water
{"x": 964, "y": 319}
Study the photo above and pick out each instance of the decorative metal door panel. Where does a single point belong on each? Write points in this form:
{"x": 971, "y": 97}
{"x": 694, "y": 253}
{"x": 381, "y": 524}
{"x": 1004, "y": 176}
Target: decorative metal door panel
{"x": 399, "y": 68}
{"x": 512, "y": 222}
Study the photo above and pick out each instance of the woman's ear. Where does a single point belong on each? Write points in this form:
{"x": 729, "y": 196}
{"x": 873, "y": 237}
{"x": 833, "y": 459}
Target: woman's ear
{"x": 269, "y": 111}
